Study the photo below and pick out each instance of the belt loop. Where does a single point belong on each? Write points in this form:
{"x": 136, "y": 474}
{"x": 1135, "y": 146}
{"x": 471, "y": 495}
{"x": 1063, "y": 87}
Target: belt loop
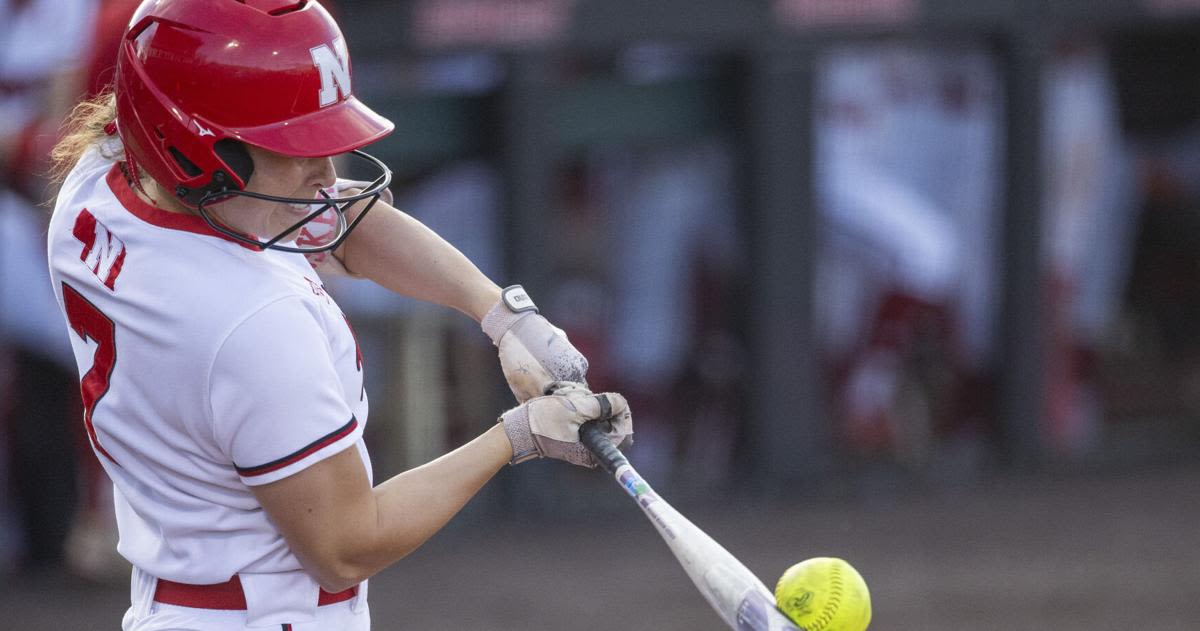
{"x": 141, "y": 592}
{"x": 360, "y": 599}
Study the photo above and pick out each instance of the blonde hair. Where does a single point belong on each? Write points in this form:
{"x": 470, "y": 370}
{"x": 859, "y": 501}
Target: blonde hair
{"x": 86, "y": 126}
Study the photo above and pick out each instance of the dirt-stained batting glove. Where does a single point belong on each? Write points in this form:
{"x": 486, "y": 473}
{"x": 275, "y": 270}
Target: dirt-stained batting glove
{"x": 533, "y": 353}
{"x": 548, "y": 426}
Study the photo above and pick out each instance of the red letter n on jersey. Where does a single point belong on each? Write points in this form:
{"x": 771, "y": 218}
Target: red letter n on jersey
{"x": 103, "y": 252}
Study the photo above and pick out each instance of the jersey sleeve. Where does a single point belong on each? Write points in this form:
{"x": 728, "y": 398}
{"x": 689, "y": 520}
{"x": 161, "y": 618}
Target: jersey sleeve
{"x": 277, "y": 404}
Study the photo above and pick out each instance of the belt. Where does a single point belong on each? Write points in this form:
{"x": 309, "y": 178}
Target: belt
{"x": 226, "y": 596}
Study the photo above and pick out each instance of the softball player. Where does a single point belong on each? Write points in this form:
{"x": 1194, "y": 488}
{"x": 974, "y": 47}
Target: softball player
{"x": 222, "y": 386}
{"x": 907, "y": 175}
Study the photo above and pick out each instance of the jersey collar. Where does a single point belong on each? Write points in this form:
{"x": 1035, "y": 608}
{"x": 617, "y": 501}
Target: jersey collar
{"x": 158, "y": 217}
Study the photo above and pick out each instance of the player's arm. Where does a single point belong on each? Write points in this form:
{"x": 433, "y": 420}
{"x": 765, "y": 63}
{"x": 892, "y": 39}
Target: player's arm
{"x": 398, "y": 252}
{"x": 343, "y": 531}
{"x": 278, "y": 410}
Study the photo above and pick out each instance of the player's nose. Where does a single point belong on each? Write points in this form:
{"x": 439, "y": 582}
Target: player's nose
{"x": 323, "y": 173}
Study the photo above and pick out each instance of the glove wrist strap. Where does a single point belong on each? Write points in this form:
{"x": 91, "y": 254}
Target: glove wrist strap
{"x": 516, "y": 427}
{"x": 517, "y": 300}
{"x": 513, "y": 305}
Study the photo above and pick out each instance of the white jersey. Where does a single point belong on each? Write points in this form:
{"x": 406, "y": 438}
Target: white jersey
{"x": 207, "y": 367}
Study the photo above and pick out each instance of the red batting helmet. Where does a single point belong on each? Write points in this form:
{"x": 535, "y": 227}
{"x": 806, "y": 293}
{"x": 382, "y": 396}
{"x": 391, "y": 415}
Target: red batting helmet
{"x": 197, "y": 78}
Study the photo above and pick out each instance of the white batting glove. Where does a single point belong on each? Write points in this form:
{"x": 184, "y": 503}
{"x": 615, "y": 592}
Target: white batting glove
{"x": 548, "y": 426}
{"x": 533, "y": 353}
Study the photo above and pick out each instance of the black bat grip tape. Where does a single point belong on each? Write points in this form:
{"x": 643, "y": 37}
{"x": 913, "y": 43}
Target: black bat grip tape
{"x": 607, "y": 453}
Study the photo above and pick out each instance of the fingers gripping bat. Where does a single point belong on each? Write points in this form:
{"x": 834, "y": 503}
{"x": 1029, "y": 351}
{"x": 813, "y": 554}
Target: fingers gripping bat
{"x": 742, "y": 601}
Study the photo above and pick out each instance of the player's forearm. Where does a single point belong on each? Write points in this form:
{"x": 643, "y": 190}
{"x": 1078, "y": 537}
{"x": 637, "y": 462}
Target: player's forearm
{"x": 412, "y": 506}
{"x": 401, "y": 254}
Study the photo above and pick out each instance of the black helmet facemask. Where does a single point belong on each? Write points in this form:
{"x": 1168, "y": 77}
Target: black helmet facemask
{"x": 338, "y": 205}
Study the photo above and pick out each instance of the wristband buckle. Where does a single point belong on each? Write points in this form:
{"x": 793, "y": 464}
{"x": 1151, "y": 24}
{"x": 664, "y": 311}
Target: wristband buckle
{"x": 517, "y": 301}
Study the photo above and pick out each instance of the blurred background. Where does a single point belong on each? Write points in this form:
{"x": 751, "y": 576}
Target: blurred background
{"x": 909, "y": 282}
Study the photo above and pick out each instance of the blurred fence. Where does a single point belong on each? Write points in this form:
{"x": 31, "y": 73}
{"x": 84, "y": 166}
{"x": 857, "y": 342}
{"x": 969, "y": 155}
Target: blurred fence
{"x": 530, "y": 91}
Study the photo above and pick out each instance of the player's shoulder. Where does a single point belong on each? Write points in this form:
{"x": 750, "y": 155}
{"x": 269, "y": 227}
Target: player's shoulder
{"x": 268, "y": 323}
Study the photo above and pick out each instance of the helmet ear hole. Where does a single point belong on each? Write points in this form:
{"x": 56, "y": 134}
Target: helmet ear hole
{"x": 188, "y": 166}
{"x": 234, "y": 154}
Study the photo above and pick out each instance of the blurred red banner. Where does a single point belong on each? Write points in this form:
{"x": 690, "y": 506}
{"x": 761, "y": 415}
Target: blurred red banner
{"x": 438, "y": 23}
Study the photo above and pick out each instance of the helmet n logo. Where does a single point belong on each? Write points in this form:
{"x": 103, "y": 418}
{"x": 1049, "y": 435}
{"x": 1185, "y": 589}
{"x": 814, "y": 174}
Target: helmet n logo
{"x": 334, "y": 66}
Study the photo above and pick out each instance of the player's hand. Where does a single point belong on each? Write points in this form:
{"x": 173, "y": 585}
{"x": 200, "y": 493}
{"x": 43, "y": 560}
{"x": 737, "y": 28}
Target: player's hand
{"x": 548, "y": 426}
{"x": 533, "y": 353}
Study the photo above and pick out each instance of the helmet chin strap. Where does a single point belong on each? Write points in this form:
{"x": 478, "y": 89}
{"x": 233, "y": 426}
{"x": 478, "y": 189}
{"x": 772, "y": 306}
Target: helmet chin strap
{"x": 339, "y": 205}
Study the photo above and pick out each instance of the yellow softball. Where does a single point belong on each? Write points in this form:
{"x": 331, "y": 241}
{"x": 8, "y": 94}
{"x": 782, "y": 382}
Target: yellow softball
{"x": 824, "y": 594}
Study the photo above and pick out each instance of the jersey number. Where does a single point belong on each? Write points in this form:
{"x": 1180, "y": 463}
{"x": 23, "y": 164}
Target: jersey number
{"x": 89, "y": 323}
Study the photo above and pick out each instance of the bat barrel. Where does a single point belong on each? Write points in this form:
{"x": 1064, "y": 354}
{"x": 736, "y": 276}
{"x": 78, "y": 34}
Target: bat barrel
{"x": 594, "y": 439}
{"x": 732, "y": 590}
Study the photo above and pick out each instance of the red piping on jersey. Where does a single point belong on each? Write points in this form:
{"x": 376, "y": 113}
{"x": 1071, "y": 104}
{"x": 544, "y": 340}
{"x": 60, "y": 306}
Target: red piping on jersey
{"x": 227, "y": 596}
{"x": 303, "y": 453}
{"x": 156, "y": 216}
